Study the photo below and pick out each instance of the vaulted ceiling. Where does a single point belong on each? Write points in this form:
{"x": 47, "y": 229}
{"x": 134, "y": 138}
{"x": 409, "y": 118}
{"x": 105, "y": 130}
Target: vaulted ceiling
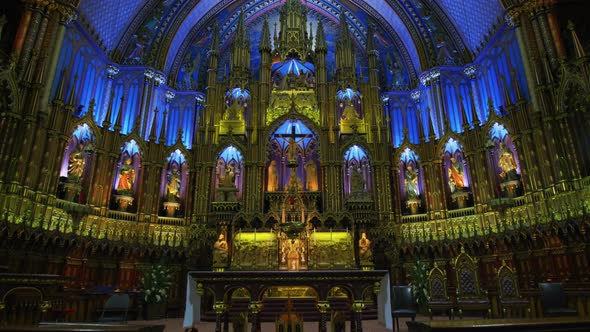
{"x": 167, "y": 31}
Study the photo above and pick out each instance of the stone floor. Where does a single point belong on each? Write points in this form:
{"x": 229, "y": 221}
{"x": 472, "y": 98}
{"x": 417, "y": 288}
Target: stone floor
{"x": 175, "y": 325}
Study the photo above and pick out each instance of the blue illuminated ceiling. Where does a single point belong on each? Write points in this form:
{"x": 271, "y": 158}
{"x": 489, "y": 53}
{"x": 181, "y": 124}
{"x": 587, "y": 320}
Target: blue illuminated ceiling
{"x": 165, "y": 33}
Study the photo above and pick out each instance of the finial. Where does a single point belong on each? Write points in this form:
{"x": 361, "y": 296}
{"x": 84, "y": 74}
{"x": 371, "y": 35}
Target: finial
{"x": 162, "y": 138}
{"x": 153, "y": 133}
{"x": 106, "y": 123}
{"x": 72, "y": 97}
{"x": 464, "y": 119}
{"x": 119, "y": 121}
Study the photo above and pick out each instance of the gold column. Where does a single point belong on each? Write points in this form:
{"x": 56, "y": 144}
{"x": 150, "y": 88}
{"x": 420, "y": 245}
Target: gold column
{"x": 64, "y": 14}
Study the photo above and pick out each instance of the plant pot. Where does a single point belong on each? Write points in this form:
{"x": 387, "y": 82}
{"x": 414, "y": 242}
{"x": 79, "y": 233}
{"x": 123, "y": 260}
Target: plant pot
{"x": 155, "y": 311}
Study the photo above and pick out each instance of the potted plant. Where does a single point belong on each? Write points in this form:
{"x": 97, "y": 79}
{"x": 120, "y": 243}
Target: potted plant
{"x": 419, "y": 282}
{"x": 155, "y": 283}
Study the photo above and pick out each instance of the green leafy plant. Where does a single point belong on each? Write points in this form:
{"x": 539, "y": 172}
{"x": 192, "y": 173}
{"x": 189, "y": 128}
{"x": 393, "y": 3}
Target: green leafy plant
{"x": 419, "y": 282}
{"x": 155, "y": 283}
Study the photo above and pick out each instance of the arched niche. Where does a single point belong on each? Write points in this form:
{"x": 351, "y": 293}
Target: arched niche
{"x": 504, "y": 161}
{"x": 292, "y": 158}
{"x": 77, "y": 164}
{"x": 127, "y": 174}
{"x": 357, "y": 174}
{"x": 349, "y": 104}
{"x": 455, "y": 174}
{"x": 229, "y": 172}
{"x": 292, "y": 74}
{"x": 174, "y": 184}
{"x": 236, "y": 103}
{"x": 411, "y": 180}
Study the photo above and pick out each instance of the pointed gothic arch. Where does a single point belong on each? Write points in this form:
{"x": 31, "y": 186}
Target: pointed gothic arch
{"x": 127, "y": 179}
{"x": 292, "y": 142}
{"x": 77, "y": 164}
{"x": 229, "y": 174}
{"x": 358, "y": 173}
{"x": 174, "y": 183}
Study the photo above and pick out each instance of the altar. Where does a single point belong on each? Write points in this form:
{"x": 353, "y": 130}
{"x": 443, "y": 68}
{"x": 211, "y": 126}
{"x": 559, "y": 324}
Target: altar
{"x": 362, "y": 288}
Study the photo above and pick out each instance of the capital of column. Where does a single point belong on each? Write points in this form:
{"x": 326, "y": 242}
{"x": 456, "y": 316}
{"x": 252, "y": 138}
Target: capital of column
{"x": 159, "y": 79}
{"x": 323, "y": 306}
{"x": 200, "y": 289}
{"x": 112, "y": 71}
{"x": 219, "y": 307}
{"x": 415, "y": 96}
{"x": 169, "y": 95}
{"x": 148, "y": 74}
{"x": 358, "y": 306}
{"x": 255, "y": 307}
{"x": 470, "y": 71}
{"x": 37, "y": 4}
{"x": 66, "y": 11}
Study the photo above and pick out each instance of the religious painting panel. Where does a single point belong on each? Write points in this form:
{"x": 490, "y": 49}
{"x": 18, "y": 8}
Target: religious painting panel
{"x": 411, "y": 180}
{"x": 357, "y": 174}
{"x": 229, "y": 172}
{"x": 127, "y": 175}
{"x": 504, "y": 159}
{"x": 455, "y": 173}
{"x": 77, "y": 165}
{"x": 174, "y": 184}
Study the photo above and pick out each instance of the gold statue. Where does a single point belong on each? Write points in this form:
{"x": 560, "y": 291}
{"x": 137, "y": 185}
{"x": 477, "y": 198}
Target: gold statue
{"x": 76, "y": 164}
{"x": 230, "y": 177}
{"x": 350, "y": 112}
{"x": 173, "y": 185}
{"x": 273, "y": 177}
{"x": 507, "y": 163}
{"x": 365, "y": 252}
{"x": 220, "y": 251}
{"x": 456, "y": 176}
{"x": 234, "y": 112}
{"x": 126, "y": 177}
{"x": 411, "y": 182}
{"x": 311, "y": 172}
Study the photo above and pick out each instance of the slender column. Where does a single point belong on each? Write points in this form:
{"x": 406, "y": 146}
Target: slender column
{"x": 557, "y": 40}
{"x": 255, "y": 309}
{"x": 143, "y": 105}
{"x": 357, "y": 310}
{"x": 471, "y": 71}
{"x": 323, "y": 307}
{"x": 547, "y": 36}
{"x": 514, "y": 19}
{"x": 35, "y": 8}
{"x": 219, "y": 307}
{"x": 112, "y": 71}
{"x": 66, "y": 14}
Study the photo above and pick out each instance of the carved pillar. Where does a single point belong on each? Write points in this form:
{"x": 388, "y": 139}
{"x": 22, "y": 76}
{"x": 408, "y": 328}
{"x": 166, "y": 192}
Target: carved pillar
{"x": 219, "y": 307}
{"x": 357, "y": 310}
{"x": 323, "y": 308}
{"x": 24, "y": 43}
{"x": 64, "y": 14}
{"x": 255, "y": 309}
{"x": 514, "y": 19}
{"x": 112, "y": 71}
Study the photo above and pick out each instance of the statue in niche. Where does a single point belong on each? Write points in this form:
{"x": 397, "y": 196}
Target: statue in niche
{"x": 456, "y": 176}
{"x": 273, "y": 177}
{"x": 229, "y": 177}
{"x": 411, "y": 182}
{"x": 173, "y": 185}
{"x": 444, "y": 56}
{"x": 507, "y": 163}
{"x": 311, "y": 172}
{"x": 365, "y": 252}
{"x": 294, "y": 181}
{"x": 357, "y": 182}
{"x": 349, "y": 113}
{"x": 301, "y": 81}
{"x": 220, "y": 251}
{"x": 235, "y": 111}
{"x": 126, "y": 177}
{"x": 76, "y": 164}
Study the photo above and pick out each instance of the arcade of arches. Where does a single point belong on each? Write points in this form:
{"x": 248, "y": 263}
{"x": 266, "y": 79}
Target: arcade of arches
{"x": 289, "y": 140}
